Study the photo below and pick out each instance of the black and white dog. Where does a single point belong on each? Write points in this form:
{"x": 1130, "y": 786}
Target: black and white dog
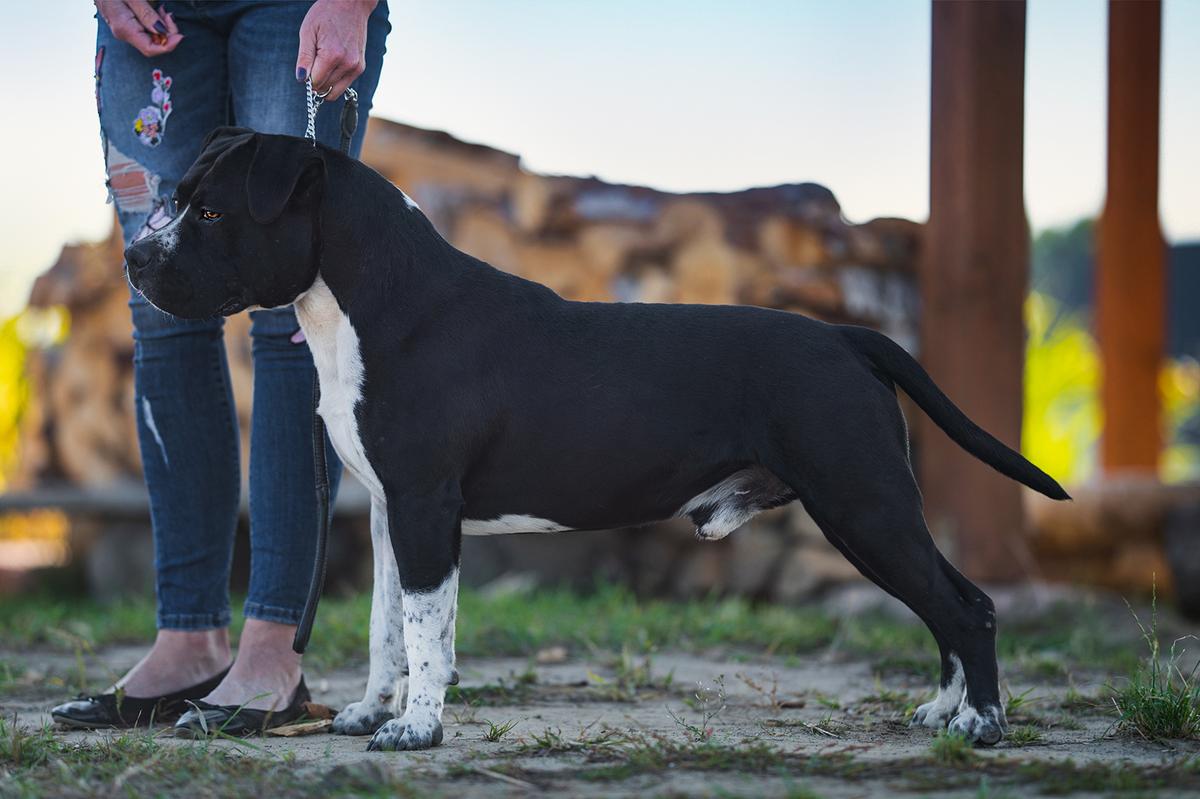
{"x": 471, "y": 401}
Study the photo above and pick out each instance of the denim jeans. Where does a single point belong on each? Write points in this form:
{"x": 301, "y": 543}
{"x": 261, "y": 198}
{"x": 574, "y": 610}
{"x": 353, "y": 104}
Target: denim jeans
{"x": 236, "y": 65}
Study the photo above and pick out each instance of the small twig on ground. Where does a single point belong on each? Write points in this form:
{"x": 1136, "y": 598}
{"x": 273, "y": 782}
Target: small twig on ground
{"x": 496, "y": 775}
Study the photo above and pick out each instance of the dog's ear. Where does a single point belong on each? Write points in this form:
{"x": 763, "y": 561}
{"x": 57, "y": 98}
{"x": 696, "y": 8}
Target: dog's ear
{"x": 220, "y": 141}
{"x": 282, "y": 168}
{"x": 222, "y": 136}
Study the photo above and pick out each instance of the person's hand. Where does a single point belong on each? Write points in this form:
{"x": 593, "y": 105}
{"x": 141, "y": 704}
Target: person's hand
{"x": 333, "y": 44}
{"x": 150, "y": 32}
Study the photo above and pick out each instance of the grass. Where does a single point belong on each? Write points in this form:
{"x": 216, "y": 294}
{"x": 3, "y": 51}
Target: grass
{"x": 608, "y": 618}
{"x": 1159, "y": 700}
{"x": 497, "y": 693}
{"x": 1024, "y": 735}
{"x": 616, "y": 755}
{"x": 495, "y": 731}
{"x": 37, "y": 763}
{"x": 951, "y": 749}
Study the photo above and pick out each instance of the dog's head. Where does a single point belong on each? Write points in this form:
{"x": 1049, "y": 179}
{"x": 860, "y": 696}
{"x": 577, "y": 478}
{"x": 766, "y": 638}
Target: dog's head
{"x": 246, "y": 230}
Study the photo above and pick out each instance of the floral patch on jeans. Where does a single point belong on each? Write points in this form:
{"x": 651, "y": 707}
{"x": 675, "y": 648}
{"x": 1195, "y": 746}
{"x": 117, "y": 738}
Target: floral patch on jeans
{"x": 151, "y": 122}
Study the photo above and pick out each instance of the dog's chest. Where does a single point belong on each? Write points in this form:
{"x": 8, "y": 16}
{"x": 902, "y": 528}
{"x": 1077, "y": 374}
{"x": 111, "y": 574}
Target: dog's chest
{"x": 337, "y": 356}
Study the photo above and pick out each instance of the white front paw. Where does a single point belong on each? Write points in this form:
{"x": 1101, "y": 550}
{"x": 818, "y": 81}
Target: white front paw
{"x": 986, "y": 727}
{"x": 934, "y": 715}
{"x": 360, "y": 718}
{"x": 407, "y": 732}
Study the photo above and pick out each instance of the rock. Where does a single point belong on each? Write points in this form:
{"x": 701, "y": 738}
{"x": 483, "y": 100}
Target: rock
{"x": 551, "y": 655}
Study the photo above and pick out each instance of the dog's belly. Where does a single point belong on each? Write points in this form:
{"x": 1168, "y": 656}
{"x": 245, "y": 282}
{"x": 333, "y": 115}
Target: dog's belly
{"x": 717, "y": 511}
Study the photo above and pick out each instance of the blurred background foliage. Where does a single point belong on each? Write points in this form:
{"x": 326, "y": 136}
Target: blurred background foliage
{"x": 1063, "y": 418}
{"x": 19, "y": 333}
{"x": 14, "y": 397}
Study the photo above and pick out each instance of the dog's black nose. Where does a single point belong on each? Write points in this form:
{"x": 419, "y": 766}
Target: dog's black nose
{"x": 135, "y": 259}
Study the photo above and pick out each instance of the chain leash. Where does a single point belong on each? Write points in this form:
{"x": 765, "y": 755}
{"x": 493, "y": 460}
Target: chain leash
{"x": 314, "y": 101}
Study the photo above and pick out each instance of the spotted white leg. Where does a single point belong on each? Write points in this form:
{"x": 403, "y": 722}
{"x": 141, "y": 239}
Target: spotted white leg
{"x": 385, "y": 680}
{"x": 429, "y": 638}
{"x": 937, "y": 714}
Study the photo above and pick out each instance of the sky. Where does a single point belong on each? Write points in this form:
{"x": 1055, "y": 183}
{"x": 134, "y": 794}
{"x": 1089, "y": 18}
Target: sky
{"x": 677, "y": 94}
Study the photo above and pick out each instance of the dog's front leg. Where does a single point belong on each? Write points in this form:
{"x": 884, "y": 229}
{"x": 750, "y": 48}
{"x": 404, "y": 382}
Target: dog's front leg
{"x": 426, "y": 534}
{"x": 385, "y": 681}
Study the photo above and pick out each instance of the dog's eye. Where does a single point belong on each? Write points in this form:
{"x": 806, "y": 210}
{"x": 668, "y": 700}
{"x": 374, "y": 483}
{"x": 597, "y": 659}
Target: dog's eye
{"x": 210, "y": 215}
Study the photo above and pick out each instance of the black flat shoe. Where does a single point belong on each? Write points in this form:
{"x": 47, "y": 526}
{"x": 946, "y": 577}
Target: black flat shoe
{"x": 205, "y": 719}
{"x": 109, "y": 710}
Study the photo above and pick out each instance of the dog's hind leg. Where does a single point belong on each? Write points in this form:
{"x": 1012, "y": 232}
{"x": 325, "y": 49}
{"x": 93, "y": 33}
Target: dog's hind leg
{"x": 425, "y": 530}
{"x": 892, "y": 546}
{"x": 935, "y": 714}
{"x": 863, "y": 496}
{"x": 385, "y": 680}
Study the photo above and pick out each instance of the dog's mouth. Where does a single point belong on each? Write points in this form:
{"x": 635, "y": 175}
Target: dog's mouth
{"x": 230, "y": 306}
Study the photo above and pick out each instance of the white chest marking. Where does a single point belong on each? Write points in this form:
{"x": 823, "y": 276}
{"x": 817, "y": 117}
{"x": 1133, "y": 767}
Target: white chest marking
{"x": 335, "y": 350}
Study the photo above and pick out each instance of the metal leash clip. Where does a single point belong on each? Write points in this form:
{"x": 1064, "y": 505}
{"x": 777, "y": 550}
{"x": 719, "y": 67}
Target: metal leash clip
{"x": 349, "y": 113}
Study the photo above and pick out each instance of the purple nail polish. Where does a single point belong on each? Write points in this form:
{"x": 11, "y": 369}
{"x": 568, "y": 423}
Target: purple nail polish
{"x": 301, "y": 74}
{"x": 158, "y": 26}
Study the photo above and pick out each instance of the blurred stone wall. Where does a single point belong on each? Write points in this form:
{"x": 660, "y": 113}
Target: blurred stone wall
{"x": 784, "y": 247}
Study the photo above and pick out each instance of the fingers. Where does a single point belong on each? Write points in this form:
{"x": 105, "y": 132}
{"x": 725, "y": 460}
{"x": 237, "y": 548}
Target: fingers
{"x": 128, "y": 21}
{"x": 308, "y": 51}
{"x": 174, "y": 37}
{"x": 334, "y": 73}
{"x": 147, "y": 17}
{"x": 342, "y": 81}
{"x": 326, "y": 69}
{"x": 331, "y": 65}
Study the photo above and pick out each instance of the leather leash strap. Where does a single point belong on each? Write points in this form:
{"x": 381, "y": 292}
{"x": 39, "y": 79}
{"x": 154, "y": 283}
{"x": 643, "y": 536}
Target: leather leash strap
{"x": 321, "y": 467}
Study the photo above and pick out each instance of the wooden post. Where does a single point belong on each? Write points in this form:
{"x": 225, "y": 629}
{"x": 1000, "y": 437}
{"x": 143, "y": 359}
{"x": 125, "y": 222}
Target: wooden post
{"x": 1130, "y": 273}
{"x": 974, "y": 276}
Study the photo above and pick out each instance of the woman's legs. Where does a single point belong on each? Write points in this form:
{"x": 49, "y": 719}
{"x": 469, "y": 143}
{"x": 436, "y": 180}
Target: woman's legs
{"x": 283, "y": 513}
{"x": 154, "y": 114}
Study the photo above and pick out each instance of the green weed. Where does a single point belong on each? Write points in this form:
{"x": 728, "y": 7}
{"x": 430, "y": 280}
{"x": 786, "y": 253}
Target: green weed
{"x": 951, "y": 749}
{"x": 1159, "y": 699}
{"x": 495, "y": 731}
{"x": 1024, "y": 735}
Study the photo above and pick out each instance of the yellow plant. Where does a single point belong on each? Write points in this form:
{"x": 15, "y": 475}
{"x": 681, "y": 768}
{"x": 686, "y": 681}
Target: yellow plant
{"x": 18, "y": 334}
{"x": 1179, "y": 386}
{"x": 1063, "y": 418}
{"x": 14, "y": 393}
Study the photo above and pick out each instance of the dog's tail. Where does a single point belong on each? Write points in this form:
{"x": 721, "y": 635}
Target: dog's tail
{"x": 893, "y": 362}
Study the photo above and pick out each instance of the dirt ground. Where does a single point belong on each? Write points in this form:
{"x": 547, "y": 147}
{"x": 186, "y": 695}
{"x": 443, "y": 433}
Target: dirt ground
{"x": 687, "y": 725}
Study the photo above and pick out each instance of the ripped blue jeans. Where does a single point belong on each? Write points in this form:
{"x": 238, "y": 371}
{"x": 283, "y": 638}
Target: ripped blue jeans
{"x": 235, "y": 66}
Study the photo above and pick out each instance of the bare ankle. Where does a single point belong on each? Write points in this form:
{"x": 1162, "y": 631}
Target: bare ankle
{"x": 178, "y": 659}
{"x": 269, "y": 637}
{"x": 206, "y": 647}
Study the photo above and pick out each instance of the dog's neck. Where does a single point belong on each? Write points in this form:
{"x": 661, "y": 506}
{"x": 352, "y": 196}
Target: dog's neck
{"x": 379, "y": 253}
